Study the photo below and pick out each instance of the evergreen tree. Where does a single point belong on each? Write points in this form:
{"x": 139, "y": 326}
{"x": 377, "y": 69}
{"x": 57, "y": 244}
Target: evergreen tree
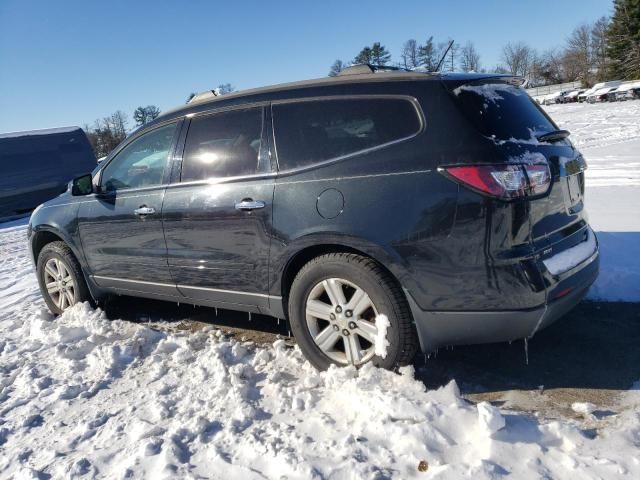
{"x": 143, "y": 115}
{"x": 191, "y": 95}
{"x": 336, "y": 68}
{"x": 427, "y": 55}
{"x": 364, "y": 56}
{"x": 379, "y": 54}
{"x": 624, "y": 39}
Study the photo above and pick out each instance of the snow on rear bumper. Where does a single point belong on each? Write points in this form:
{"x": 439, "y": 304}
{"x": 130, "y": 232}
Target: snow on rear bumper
{"x": 573, "y": 257}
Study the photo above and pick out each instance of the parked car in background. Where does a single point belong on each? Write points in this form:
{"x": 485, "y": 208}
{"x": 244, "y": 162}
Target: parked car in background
{"x": 572, "y": 96}
{"x": 600, "y": 95}
{"x": 626, "y": 91}
{"x": 333, "y": 202}
{"x": 588, "y": 94}
{"x": 37, "y": 165}
{"x": 552, "y": 98}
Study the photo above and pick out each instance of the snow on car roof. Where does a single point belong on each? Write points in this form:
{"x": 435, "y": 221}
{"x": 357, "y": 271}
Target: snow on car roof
{"x": 45, "y": 131}
{"x": 626, "y": 86}
{"x": 602, "y": 91}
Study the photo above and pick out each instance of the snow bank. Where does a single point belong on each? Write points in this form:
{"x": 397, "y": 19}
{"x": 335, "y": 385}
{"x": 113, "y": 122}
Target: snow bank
{"x": 82, "y": 395}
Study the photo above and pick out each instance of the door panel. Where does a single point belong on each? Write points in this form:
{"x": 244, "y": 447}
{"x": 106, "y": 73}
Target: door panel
{"x": 219, "y": 254}
{"x": 121, "y": 226}
{"x": 124, "y": 249}
{"x": 218, "y": 225}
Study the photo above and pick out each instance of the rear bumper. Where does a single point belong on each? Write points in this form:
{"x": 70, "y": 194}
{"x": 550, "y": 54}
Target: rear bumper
{"x": 442, "y": 328}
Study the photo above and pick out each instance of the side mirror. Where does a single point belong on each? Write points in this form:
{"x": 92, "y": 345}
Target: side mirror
{"x": 82, "y": 185}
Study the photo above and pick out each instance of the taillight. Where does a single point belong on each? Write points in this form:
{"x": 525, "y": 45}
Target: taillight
{"x": 505, "y": 181}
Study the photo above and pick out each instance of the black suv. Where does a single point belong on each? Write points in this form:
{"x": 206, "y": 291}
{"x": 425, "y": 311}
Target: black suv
{"x": 451, "y": 204}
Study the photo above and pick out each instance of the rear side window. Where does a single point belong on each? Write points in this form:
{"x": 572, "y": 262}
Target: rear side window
{"x": 503, "y": 111}
{"x": 309, "y": 132}
{"x": 224, "y": 144}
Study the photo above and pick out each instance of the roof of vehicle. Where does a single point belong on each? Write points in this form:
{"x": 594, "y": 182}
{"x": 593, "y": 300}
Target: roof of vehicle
{"x": 349, "y": 78}
{"x": 626, "y": 86}
{"x": 44, "y": 131}
{"x": 574, "y": 93}
{"x": 602, "y": 91}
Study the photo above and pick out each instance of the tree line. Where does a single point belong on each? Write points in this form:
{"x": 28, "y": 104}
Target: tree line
{"x": 106, "y": 133}
{"x": 608, "y": 48}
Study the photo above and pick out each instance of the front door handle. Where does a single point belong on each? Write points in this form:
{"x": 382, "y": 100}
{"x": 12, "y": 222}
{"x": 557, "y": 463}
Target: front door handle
{"x": 247, "y": 204}
{"x": 144, "y": 210}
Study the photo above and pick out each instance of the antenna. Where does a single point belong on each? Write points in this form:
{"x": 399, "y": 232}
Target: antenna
{"x": 444, "y": 55}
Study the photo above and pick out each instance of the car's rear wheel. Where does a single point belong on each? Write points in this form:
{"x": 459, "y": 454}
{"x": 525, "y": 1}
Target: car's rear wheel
{"x": 60, "y": 277}
{"x": 333, "y": 304}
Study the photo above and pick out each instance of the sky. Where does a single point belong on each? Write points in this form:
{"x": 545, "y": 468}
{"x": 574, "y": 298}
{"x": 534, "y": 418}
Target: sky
{"x": 70, "y": 62}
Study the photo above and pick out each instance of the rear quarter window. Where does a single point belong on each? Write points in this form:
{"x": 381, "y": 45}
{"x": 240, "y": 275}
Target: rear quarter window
{"x": 309, "y": 132}
{"x": 503, "y": 111}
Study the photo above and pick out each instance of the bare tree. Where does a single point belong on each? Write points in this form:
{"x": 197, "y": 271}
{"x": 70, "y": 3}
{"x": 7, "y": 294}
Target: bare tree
{"x": 517, "y": 58}
{"x": 224, "y": 88}
{"x": 450, "y": 61}
{"x": 107, "y": 133}
{"x": 336, "y": 68}
{"x": 410, "y": 54}
{"x": 549, "y": 68}
{"x": 579, "y": 46}
{"x": 469, "y": 58}
{"x": 599, "y": 46}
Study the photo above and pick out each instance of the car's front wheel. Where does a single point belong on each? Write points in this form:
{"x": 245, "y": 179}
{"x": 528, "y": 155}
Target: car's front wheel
{"x": 333, "y": 305}
{"x": 60, "y": 277}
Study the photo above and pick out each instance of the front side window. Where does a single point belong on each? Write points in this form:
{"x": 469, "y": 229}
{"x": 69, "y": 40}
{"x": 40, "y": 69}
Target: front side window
{"x": 309, "y": 132}
{"x": 142, "y": 163}
{"x": 224, "y": 144}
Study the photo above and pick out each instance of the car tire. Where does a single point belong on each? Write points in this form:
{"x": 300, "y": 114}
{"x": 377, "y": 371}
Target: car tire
{"x": 350, "y": 274}
{"x": 60, "y": 277}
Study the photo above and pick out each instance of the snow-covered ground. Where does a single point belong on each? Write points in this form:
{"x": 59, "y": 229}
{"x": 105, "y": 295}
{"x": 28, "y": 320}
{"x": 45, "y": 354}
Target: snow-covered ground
{"x": 82, "y": 396}
{"x": 608, "y": 134}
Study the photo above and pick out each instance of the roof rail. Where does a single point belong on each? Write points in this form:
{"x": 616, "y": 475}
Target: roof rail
{"x": 366, "y": 68}
{"x": 206, "y": 95}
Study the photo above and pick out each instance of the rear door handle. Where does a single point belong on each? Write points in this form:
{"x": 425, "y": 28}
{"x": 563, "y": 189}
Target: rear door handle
{"x": 144, "y": 210}
{"x": 248, "y": 204}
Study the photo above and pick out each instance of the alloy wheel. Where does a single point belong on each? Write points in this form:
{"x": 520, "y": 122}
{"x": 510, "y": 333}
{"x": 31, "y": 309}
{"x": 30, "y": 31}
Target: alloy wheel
{"x": 60, "y": 284}
{"x": 341, "y": 319}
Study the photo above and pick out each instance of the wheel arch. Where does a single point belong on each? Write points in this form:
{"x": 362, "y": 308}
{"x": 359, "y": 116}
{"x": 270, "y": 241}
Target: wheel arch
{"x": 303, "y": 255}
{"x": 45, "y": 234}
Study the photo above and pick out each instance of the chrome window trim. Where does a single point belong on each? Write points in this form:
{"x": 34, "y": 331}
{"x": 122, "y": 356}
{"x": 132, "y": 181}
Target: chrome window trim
{"x": 408, "y": 98}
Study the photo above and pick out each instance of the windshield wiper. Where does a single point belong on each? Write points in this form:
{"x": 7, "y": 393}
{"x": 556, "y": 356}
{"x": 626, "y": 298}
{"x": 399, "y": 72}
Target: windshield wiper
{"x": 553, "y": 136}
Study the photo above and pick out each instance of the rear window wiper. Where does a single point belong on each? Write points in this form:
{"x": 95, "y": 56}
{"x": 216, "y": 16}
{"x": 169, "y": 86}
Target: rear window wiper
{"x": 553, "y": 136}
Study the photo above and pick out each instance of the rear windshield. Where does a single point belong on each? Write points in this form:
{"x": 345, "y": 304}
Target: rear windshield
{"x": 503, "y": 111}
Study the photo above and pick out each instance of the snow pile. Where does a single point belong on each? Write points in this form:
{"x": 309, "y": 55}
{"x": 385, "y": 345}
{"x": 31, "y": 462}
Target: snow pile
{"x": 571, "y": 257}
{"x": 381, "y": 343}
{"x": 82, "y": 395}
{"x": 490, "y": 419}
{"x": 583, "y": 408}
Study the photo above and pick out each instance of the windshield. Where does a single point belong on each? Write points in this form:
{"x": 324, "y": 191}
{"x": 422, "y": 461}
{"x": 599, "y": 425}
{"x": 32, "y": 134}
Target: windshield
{"x": 503, "y": 111}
